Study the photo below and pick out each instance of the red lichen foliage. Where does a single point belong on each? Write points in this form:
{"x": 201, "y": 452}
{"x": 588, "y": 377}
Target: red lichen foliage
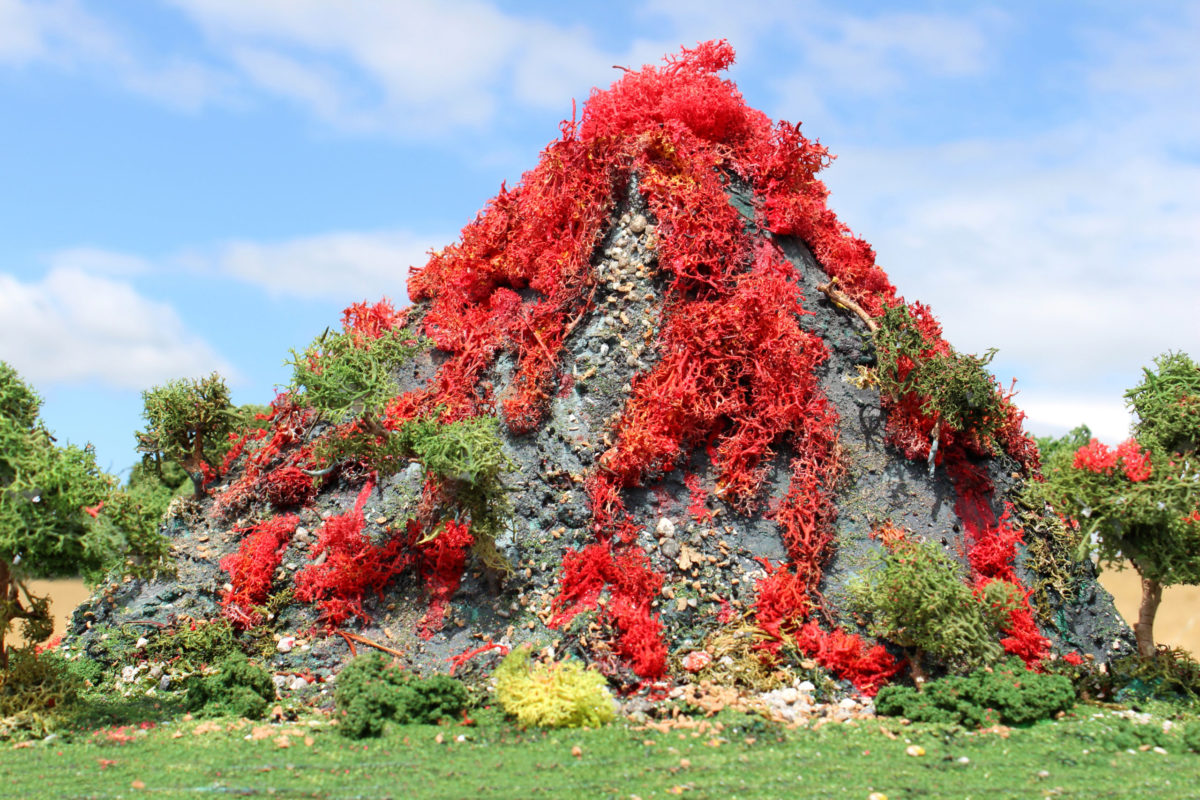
{"x": 289, "y": 486}
{"x": 442, "y": 562}
{"x": 353, "y": 567}
{"x": 267, "y": 452}
{"x": 991, "y": 552}
{"x": 1095, "y": 456}
{"x": 253, "y": 566}
{"x": 624, "y": 570}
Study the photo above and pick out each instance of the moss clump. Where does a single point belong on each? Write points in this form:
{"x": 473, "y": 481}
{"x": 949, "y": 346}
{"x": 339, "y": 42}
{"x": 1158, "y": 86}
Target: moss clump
{"x": 914, "y": 596}
{"x": 352, "y": 372}
{"x": 34, "y": 691}
{"x": 1191, "y": 736}
{"x": 953, "y": 389}
{"x": 238, "y": 687}
{"x": 1008, "y": 694}
{"x": 371, "y": 691}
{"x": 561, "y": 694}
{"x": 194, "y": 644}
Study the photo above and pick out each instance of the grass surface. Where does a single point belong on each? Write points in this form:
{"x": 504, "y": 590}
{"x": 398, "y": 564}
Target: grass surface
{"x": 1074, "y": 757}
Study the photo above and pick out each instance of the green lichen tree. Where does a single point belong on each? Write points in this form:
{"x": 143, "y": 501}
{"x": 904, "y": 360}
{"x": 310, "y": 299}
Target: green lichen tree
{"x": 188, "y": 422}
{"x": 1140, "y": 502}
{"x": 914, "y": 595}
{"x": 60, "y": 514}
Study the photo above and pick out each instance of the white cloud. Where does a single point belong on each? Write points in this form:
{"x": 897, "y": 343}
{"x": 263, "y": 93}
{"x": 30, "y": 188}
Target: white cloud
{"x": 73, "y": 326}
{"x": 96, "y": 260}
{"x": 61, "y": 33}
{"x": 1053, "y": 415}
{"x": 418, "y": 67}
{"x": 346, "y": 266}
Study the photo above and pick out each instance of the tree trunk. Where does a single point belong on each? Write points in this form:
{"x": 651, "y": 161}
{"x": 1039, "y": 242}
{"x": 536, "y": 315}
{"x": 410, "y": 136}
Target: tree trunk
{"x": 1143, "y": 631}
{"x": 5, "y": 615}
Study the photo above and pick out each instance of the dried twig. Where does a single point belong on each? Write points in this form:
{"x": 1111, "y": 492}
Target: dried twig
{"x": 841, "y": 299}
{"x": 351, "y": 638}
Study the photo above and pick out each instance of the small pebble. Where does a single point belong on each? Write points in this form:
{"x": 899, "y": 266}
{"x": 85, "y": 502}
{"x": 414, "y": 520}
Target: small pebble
{"x": 285, "y": 644}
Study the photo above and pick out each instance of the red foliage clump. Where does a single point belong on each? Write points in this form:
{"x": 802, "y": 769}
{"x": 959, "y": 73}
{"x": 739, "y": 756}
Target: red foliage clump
{"x": 253, "y": 566}
{"x": 371, "y": 321}
{"x": 991, "y": 552}
{"x": 353, "y": 566}
{"x": 625, "y": 571}
{"x": 279, "y": 447}
{"x": 697, "y": 506}
{"x": 868, "y": 667}
{"x": 1095, "y": 456}
{"x": 442, "y": 560}
{"x": 289, "y": 486}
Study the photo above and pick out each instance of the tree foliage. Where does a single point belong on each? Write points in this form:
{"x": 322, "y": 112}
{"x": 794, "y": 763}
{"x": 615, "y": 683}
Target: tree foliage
{"x": 1140, "y": 502}
{"x": 915, "y": 596}
{"x": 187, "y": 422}
{"x": 60, "y": 514}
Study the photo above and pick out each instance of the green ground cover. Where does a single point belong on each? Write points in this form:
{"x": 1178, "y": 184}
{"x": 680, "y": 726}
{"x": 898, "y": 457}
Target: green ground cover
{"x": 1090, "y": 753}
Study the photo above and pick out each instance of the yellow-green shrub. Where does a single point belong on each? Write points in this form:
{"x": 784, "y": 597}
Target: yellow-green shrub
{"x": 561, "y": 694}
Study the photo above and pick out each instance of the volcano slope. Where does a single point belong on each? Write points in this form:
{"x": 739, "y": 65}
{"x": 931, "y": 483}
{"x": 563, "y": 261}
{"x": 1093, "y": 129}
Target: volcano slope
{"x": 657, "y": 407}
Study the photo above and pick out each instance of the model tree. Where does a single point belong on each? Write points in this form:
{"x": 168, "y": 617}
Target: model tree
{"x": 1140, "y": 502}
{"x": 188, "y": 423}
{"x": 50, "y": 499}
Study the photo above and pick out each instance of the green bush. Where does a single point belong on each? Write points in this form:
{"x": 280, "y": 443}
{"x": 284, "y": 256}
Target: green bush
{"x": 35, "y": 691}
{"x": 348, "y": 373}
{"x": 1191, "y": 736}
{"x": 60, "y": 515}
{"x": 238, "y": 687}
{"x": 914, "y": 595}
{"x": 372, "y": 690}
{"x": 1008, "y": 694}
{"x": 194, "y": 644}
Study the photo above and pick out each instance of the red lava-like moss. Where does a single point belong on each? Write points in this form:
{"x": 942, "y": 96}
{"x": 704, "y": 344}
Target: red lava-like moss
{"x": 992, "y": 551}
{"x": 253, "y": 566}
{"x": 353, "y": 567}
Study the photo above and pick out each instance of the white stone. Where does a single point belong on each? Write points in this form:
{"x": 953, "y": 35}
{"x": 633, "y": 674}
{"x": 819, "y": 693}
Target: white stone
{"x": 285, "y": 644}
{"x": 280, "y": 681}
{"x": 848, "y": 703}
{"x": 806, "y": 686}
{"x": 298, "y": 683}
{"x": 665, "y": 528}
{"x": 129, "y": 674}
{"x": 141, "y": 642}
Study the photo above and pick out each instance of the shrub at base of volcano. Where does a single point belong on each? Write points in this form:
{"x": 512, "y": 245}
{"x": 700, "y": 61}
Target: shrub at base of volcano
{"x": 237, "y": 687}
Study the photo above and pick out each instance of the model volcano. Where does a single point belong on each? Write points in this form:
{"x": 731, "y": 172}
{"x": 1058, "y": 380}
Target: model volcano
{"x": 657, "y": 408}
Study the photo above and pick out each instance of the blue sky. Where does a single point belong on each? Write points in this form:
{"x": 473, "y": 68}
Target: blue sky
{"x": 192, "y": 185}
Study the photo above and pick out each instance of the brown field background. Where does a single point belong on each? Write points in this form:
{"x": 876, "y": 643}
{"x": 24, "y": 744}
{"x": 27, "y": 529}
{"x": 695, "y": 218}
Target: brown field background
{"x": 1178, "y": 623}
